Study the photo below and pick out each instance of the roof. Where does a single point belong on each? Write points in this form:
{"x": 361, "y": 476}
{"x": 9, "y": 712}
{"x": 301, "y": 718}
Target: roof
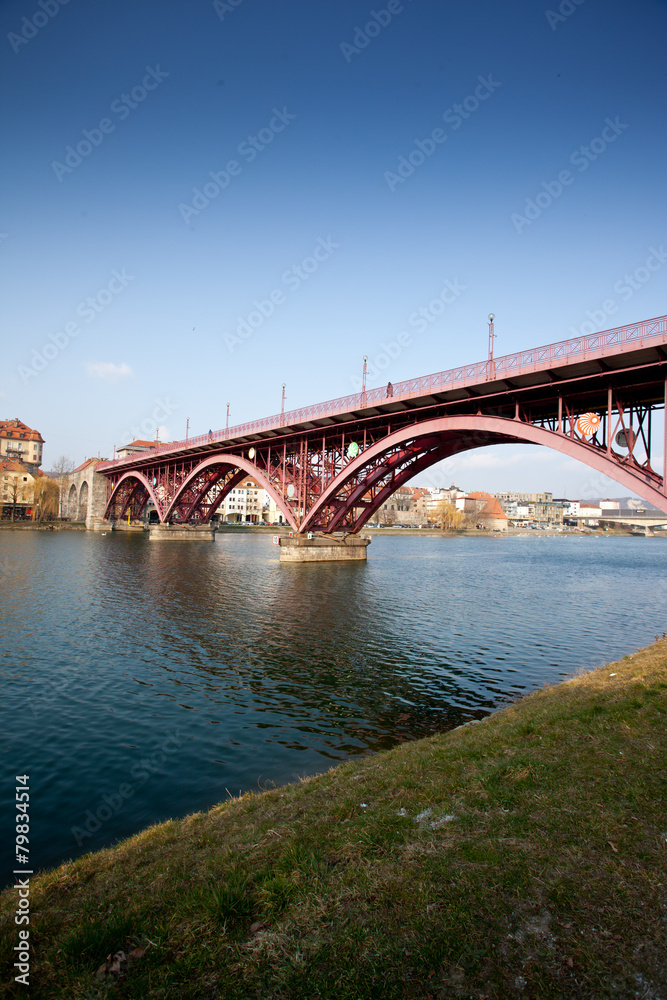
{"x": 140, "y": 444}
{"x": 492, "y": 508}
{"x": 13, "y": 465}
{"x": 86, "y": 464}
{"x": 18, "y": 431}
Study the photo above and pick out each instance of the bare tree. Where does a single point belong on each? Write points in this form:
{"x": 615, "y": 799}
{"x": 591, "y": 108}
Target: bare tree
{"x": 62, "y": 468}
{"x": 386, "y": 517}
{"x": 15, "y": 493}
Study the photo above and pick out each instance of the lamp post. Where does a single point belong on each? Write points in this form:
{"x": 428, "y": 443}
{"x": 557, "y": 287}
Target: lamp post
{"x": 492, "y": 337}
{"x": 282, "y": 404}
{"x": 363, "y": 381}
{"x": 187, "y": 428}
{"x": 227, "y": 423}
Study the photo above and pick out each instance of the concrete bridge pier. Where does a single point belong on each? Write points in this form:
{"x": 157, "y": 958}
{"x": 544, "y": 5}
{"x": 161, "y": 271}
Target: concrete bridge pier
{"x": 94, "y": 523}
{"x": 182, "y": 532}
{"x": 323, "y": 548}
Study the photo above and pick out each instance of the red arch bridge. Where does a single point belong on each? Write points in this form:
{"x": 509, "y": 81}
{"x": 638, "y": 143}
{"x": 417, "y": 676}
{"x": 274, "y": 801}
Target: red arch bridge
{"x": 330, "y": 466}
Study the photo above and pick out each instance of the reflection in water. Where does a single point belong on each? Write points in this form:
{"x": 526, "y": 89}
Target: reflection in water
{"x": 115, "y": 647}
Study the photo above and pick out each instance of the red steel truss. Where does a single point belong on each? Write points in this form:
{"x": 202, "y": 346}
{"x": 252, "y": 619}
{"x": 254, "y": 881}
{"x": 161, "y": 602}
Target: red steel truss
{"x": 330, "y": 466}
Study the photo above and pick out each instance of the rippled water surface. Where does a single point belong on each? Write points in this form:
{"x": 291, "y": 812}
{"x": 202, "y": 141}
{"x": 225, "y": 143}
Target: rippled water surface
{"x": 142, "y": 680}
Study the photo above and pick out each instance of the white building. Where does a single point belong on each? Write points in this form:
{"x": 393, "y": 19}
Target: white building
{"x": 272, "y": 513}
{"x": 245, "y": 502}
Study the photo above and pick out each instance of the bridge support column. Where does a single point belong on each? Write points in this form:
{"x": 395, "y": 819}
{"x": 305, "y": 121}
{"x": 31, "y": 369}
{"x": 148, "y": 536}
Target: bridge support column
{"x": 98, "y": 524}
{"x": 181, "y": 532}
{"x": 323, "y": 548}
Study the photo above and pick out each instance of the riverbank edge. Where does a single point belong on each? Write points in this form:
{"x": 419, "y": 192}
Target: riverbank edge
{"x": 43, "y": 526}
{"x": 423, "y": 532}
{"x": 522, "y": 856}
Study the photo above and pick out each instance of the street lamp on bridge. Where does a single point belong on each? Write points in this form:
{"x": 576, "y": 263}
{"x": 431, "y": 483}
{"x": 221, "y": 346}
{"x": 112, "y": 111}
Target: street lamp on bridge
{"x": 490, "y": 368}
{"x": 492, "y": 335}
{"x": 363, "y": 381}
{"x": 227, "y": 423}
{"x": 282, "y": 404}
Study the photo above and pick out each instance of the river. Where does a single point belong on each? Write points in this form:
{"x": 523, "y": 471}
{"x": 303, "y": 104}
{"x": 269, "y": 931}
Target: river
{"x": 144, "y": 680}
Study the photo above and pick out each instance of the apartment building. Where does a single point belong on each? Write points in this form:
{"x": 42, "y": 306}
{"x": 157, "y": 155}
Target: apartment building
{"x": 245, "y": 503}
{"x": 532, "y": 508}
{"x": 21, "y": 443}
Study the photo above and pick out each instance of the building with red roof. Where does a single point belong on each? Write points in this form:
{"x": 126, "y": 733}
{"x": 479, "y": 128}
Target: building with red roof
{"x": 21, "y": 443}
{"x": 136, "y": 447}
{"x": 486, "y": 509}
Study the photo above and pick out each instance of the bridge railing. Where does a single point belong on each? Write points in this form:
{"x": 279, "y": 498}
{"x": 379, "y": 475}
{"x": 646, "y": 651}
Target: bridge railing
{"x": 534, "y": 359}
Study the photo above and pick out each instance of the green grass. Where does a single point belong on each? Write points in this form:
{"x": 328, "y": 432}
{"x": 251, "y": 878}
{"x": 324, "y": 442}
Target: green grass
{"x": 520, "y": 857}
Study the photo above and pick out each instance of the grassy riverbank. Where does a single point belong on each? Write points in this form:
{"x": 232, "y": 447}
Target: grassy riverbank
{"x": 520, "y": 857}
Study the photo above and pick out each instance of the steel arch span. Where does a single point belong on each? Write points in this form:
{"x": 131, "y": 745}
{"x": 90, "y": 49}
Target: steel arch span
{"x": 370, "y": 479}
{"x": 207, "y": 485}
{"x": 129, "y": 496}
{"x": 192, "y": 496}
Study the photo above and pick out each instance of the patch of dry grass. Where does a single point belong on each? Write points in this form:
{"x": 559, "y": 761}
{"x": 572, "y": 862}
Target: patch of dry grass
{"x": 520, "y": 857}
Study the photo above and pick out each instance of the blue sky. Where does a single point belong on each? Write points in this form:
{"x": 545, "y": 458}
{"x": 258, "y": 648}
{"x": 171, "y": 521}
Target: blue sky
{"x": 129, "y": 270}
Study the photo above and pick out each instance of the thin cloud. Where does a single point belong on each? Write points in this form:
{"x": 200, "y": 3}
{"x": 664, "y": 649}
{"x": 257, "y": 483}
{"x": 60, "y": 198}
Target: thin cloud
{"x": 107, "y": 371}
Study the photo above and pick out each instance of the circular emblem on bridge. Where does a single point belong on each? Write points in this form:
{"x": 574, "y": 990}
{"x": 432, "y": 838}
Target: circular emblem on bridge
{"x": 291, "y": 490}
{"x": 352, "y": 449}
{"x": 588, "y": 423}
{"x": 251, "y": 453}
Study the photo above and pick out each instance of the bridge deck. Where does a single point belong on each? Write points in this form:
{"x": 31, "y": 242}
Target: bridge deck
{"x": 634, "y": 350}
